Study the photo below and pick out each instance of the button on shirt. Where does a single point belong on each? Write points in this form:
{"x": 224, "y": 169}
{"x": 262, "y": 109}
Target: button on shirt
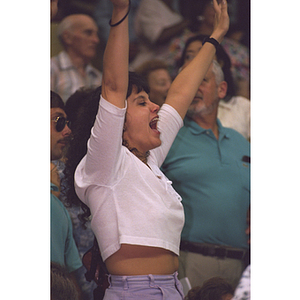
{"x": 214, "y": 183}
{"x": 65, "y": 79}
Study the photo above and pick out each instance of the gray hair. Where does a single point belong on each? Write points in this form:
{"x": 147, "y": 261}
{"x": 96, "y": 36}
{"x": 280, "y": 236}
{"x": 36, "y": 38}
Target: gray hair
{"x": 66, "y": 24}
{"x": 217, "y": 70}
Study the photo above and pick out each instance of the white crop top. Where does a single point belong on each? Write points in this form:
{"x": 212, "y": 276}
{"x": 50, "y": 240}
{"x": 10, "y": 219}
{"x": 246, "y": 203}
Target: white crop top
{"x": 129, "y": 202}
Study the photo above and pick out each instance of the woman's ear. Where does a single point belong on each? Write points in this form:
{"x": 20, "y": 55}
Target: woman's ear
{"x": 222, "y": 89}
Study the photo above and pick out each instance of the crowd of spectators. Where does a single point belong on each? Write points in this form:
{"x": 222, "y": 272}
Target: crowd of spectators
{"x": 164, "y": 36}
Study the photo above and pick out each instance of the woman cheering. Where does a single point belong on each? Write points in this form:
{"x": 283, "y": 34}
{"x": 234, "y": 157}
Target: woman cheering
{"x": 137, "y": 216}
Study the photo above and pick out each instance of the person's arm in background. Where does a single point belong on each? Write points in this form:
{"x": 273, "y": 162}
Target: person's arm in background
{"x": 172, "y": 31}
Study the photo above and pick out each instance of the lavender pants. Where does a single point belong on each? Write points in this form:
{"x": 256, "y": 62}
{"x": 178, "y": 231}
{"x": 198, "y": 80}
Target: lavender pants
{"x": 152, "y": 287}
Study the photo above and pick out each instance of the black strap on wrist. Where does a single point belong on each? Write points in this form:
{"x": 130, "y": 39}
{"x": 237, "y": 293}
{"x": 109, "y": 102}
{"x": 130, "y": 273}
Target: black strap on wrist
{"x": 116, "y": 24}
{"x": 212, "y": 41}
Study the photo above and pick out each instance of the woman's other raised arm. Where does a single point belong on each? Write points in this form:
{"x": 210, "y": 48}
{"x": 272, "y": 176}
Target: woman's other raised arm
{"x": 115, "y": 58}
{"x": 187, "y": 82}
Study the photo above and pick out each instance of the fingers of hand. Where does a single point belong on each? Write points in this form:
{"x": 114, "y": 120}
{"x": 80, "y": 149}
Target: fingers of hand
{"x": 221, "y": 17}
{"x": 216, "y": 6}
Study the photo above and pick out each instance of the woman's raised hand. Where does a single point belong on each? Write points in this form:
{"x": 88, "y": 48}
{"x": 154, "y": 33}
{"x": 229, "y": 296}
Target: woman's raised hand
{"x": 221, "y": 25}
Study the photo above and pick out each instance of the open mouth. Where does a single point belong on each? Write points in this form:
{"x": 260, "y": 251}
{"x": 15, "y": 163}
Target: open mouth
{"x": 153, "y": 123}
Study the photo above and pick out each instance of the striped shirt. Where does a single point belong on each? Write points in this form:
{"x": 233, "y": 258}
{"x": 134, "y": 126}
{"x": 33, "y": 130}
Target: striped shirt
{"x": 65, "y": 78}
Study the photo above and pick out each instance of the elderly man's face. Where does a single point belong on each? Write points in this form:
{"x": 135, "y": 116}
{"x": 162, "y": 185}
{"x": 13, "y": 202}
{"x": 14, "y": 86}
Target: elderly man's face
{"x": 209, "y": 92}
{"x": 207, "y": 97}
{"x": 83, "y": 38}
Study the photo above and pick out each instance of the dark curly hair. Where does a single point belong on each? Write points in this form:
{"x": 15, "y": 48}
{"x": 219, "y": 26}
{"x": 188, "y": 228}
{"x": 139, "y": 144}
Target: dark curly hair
{"x": 63, "y": 286}
{"x": 212, "y": 289}
{"x": 223, "y": 60}
{"x": 83, "y": 117}
{"x": 56, "y": 101}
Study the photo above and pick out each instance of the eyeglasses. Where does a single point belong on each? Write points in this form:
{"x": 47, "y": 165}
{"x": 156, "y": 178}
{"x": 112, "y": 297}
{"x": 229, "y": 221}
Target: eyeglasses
{"x": 61, "y": 122}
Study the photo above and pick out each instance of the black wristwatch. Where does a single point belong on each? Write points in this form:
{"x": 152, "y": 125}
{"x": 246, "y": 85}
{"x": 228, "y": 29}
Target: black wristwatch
{"x": 212, "y": 41}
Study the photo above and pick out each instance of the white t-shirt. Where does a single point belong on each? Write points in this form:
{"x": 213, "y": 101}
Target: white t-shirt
{"x": 130, "y": 203}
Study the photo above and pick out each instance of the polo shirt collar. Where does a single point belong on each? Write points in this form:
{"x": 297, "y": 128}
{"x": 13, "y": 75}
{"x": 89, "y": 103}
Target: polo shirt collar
{"x": 53, "y": 187}
{"x": 65, "y": 61}
{"x": 197, "y": 130}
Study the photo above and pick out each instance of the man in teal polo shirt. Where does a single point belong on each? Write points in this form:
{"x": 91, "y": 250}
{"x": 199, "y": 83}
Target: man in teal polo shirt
{"x": 209, "y": 166}
{"x": 63, "y": 248}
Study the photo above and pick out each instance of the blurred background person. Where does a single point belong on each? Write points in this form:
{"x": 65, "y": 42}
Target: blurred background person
{"x": 156, "y": 73}
{"x": 63, "y": 286}
{"x": 215, "y": 288}
{"x": 156, "y": 23}
{"x": 71, "y": 68}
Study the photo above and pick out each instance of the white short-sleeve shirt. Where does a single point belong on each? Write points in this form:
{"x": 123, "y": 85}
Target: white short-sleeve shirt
{"x": 130, "y": 202}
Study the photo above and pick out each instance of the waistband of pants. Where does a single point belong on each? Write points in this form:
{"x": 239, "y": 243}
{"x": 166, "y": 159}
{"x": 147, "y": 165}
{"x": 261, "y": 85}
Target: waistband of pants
{"x": 151, "y": 280}
{"x": 213, "y": 250}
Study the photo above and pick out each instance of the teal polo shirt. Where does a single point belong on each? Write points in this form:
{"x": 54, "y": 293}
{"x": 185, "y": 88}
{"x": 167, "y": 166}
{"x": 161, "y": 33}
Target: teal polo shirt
{"x": 213, "y": 178}
{"x": 63, "y": 247}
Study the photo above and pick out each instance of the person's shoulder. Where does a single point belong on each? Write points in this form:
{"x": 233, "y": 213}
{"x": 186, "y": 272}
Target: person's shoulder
{"x": 60, "y": 55}
{"x": 95, "y": 71}
{"x": 146, "y": 5}
{"x": 62, "y": 59}
{"x": 242, "y": 101}
{"x": 54, "y": 60}
{"x": 235, "y": 136}
{"x": 54, "y": 200}
{"x": 56, "y": 203}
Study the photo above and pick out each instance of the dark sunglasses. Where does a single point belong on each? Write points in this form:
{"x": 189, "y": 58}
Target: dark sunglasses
{"x": 61, "y": 122}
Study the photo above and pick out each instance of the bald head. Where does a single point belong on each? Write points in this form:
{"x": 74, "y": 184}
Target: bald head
{"x": 78, "y": 34}
{"x": 72, "y": 22}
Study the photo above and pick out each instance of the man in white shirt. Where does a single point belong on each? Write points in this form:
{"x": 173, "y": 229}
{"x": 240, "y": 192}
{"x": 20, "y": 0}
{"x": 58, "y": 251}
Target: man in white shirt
{"x": 71, "y": 68}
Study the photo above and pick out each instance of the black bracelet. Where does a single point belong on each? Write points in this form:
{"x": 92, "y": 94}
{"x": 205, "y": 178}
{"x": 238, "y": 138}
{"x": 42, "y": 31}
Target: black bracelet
{"x": 116, "y": 24}
{"x": 212, "y": 41}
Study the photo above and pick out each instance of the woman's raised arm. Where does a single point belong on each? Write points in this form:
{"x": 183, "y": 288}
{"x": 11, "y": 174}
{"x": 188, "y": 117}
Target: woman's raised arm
{"x": 187, "y": 82}
{"x": 115, "y": 58}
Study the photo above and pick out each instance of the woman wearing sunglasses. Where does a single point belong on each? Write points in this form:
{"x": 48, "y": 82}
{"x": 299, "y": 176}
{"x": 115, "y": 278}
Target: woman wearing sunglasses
{"x": 137, "y": 216}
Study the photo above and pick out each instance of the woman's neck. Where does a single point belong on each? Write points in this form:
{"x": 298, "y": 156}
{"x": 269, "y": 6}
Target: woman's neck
{"x": 141, "y": 156}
